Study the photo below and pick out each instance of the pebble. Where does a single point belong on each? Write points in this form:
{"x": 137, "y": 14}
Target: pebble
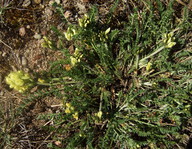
{"x": 67, "y": 14}
{"x": 81, "y": 8}
{"x": 22, "y": 31}
{"x": 58, "y": 143}
{"x": 28, "y": 27}
{"x": 58, "y": 1}
{"x": 37, "y": 36}
{"x": 48, "y": 12}
{"x": 4, "y": 54}
{"x": 51, "y": 2}
{"x": 37, "y": 1}
{"x": 23, "y": 61}
{"x": 26, "y": 70}
{"x": 42, "y": 6}
{"x": 60, "y": 26}
{"x": 43, "y": 32}
{"x": 26, "y": 3}
{"x": 1, "y": 92}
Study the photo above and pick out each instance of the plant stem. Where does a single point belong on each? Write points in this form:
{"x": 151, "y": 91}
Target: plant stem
{"x": 157, "y": 51}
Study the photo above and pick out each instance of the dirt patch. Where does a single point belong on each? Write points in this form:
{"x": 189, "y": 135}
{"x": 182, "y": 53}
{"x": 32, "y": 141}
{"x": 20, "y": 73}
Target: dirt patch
{"x": 24, "y": 24}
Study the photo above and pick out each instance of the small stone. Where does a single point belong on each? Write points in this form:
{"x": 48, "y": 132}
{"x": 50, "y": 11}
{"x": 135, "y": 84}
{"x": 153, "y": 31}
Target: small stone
{"x": 60, "y": 26}
{"x": 67, "y": 14}
{"x": 23, "y": 61}
{"x": 26, "y": 3}
{"x": 22, "y": 31}
{"x": 51, "y": 2}
{"x": 37, "y": 36}
{"x": 48, "y": 12}
{"x": 3, "y": 54}
{"x": 1, "y": 93}
{"x": 58, "y": 143}
{"x": 81, "y": 8}
{"x": 42, "y": 6}
{"x": 26, "y": 70}
{"x": 37, "y": 1}
{"x": 58, "y": 1}
{"x": 43, "y": 32}
{"x": 28, "y": 26}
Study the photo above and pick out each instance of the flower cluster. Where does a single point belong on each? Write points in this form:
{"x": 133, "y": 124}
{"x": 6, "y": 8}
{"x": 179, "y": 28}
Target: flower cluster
{"x": 103, "y": 35}
{"x": 168, "y": 39}
{"x": 83, "y": 22}
{"x": 47, "y": 43}
{"x": 70, "y": 33}
{"x": 76, "y": 57}
{"x": 19, "y": 81}
{"x": 71, "y": 110}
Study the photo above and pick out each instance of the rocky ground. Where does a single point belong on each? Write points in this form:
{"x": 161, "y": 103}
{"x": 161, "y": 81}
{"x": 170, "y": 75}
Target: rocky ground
{"x": 23, "y": 24}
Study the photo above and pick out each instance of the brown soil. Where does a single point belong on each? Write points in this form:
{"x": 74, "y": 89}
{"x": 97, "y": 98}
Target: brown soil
{"x": 22, "y": 28}
{"x": 21, "y": 34}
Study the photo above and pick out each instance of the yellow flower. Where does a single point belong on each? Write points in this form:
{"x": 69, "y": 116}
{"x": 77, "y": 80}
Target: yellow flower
{"x": 76, "y": 58}
{"x": 77, "y": 52}
{"x": 168, "y": 39}
{"x": 148, "y": 67}
{"x": 69, "y": 108}
{"x": 41, "y": 80}
{"x": 68, "y": 36}
{"x": 99, "y": 114}
{"x": 19, "y": 81}
{"x": 170, "y": 44}
{"x": 70, "y": 33}
{"x": 80, "y": 134}
{"x": 75, "y": 115}
{"x": 103, "y": 35}
{"x": 47, "y": 43}
{"x": 68, "y": 105}
{"x": 83, "y": 22}
{"x": 107, "y": 31}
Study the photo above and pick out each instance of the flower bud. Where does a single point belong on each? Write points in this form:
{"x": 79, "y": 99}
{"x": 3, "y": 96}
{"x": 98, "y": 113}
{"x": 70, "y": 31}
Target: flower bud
{"x": 168, "y": 39}
{"x": 83, "y": 22}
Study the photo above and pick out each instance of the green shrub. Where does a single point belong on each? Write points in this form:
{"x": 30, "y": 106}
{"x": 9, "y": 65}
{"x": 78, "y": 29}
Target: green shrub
{"x": 125, "y": 86}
